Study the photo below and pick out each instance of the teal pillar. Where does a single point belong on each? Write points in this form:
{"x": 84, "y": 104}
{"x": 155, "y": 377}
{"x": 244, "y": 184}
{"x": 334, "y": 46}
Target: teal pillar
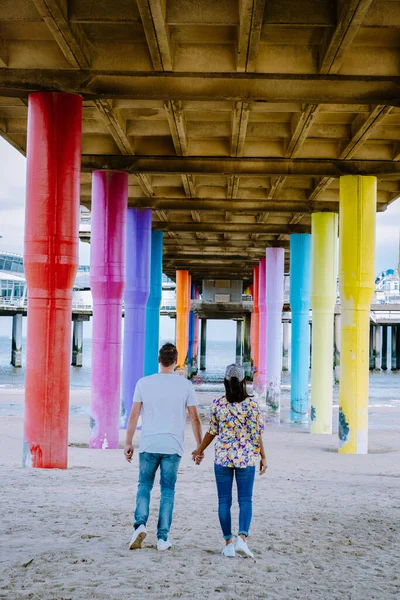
{"x": 153, "y": 305}
{"x": 300, "y": 282}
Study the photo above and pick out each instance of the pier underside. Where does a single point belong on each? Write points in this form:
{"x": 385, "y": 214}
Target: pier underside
{"x": 234, "y": 119}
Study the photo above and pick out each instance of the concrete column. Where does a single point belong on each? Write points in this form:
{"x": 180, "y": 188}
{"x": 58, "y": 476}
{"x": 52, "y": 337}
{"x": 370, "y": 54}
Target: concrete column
{"x": 191, "y": 365}
{"x": 323, "y": 298}
{"x": 239, "y": 346}
{"x": 378, "y": 360}
{"x": 394, "y": 347}
{"x": 398, "y": 348}
{"x": 255, "y": 326}
{"x": 285, "y": 346}
{"x": 182, "y": 318}
{"x": 261, "y": 380}
{"x": 372, "y": 347}
{"x": 137, "y": 290}
{"x": 50, "y": 264}
{"x": 77, "y": 344}
{"x": 275, "y": 271}
{"x": 153, "y": 305}
{"x": 16, "y": 341}
{"x": 336, "y": 349}
{"x": 384, "y": 347}
{"x": 196, "y": 336}
{"x": 300, "y": 255}
{"x": 107, "y": 282}
{"x": 357, "y": 284}
{"x": 203, "y": 344}
{"x": 246, "y": 347}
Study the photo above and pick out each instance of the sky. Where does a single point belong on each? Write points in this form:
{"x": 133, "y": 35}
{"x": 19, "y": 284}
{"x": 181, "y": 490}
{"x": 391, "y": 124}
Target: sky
{"x": 12, "y": 201}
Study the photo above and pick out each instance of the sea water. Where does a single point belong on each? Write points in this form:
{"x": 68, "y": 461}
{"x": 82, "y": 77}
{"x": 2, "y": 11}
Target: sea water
{"x": 384, "y": 386}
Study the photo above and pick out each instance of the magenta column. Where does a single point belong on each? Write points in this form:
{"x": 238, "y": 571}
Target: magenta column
{"x": 262, "y": 367}
{"x": 138, "y": 254}
{"x": 107, "y": 281}
{"x": 275, "y": 264}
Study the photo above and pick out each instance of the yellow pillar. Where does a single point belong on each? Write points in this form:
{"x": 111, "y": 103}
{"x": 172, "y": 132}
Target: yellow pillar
{"x": 323, "y": 299}
{"x": 356, "y": 276}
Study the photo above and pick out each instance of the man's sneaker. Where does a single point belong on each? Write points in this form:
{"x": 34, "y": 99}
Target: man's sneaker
{"x": 137, "y": 537}
{"x": 242, "y": 548}
{"x": 229, "y": 550}
{"x": 163, "y": 545}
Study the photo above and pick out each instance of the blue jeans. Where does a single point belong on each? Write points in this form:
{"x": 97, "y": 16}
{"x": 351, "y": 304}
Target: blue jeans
{"x": 148, "y": 465}
{"x": 245, "y": 482}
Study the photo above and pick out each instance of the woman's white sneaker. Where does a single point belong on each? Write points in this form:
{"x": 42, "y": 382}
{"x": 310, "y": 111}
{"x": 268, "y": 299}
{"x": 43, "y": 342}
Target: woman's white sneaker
{"x": 242, "y": 548}
{"x": 163, "y": 545}
{"x": 229, "y": 550}
{"x": 137, "y": 537}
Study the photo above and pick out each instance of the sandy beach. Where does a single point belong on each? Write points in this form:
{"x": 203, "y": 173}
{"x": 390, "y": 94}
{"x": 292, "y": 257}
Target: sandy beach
{"x": 325, "y": 526}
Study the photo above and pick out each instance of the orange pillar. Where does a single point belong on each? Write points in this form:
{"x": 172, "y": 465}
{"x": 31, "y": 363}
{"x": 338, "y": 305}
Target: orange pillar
{"x": 255, "y": 321}
{"x": 50, "y": 262}
{"x": 182, "y": 317}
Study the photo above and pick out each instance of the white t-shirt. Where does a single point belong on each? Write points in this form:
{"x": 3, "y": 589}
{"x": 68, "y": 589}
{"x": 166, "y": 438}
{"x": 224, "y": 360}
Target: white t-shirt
{"x": 165, "y": 397}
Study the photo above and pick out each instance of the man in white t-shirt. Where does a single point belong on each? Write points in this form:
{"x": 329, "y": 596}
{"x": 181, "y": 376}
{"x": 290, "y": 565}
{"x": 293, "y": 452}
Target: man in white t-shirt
{"x": 163, "y": 399}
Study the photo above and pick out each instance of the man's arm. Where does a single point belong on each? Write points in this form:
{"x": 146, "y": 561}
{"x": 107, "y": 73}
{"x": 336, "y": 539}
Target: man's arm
{"x": 131, "y": 428}
{"x": 196, "y": 425}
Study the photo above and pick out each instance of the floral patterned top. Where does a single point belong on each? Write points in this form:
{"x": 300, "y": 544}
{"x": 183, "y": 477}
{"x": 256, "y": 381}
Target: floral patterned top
{"x": 238, "y": 427}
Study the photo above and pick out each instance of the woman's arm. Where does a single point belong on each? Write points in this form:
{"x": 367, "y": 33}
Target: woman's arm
{"x": 263, "y": 464}
{"x": 198, "y": 454}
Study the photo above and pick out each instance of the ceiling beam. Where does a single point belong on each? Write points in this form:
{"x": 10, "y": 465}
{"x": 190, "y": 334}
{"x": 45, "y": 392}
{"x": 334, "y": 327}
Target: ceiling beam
{"x": 235, "y": 206}
{"x": 70, "y": 37}
{"x": 115, "y": 124}
{"x": 232, "y": 227}
{"x": 245, "y": 87}
{"x": 233, "y": 186}
{"x": 4, "y": 134}
{"x": 145, "y": 184}
{"x": 157, "y": 36}
{"x": 301, "y": 125}
{"x": 347, "y": 26}
{"x": 249, "y": 31}
{"x": 240, "y": 120}
{"x": 364, "y": 130}
{"x": 251, "y": 167}
{"x": 177, "y": 126}
{"x": 3, "y": 53}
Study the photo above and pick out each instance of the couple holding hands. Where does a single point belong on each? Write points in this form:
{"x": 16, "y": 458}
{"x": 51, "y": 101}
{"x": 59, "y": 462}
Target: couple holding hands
{"x": 236, "y": 426}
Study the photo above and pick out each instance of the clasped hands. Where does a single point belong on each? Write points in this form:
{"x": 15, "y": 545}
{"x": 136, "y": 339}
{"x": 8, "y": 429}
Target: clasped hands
{"x": 197, "y": 456}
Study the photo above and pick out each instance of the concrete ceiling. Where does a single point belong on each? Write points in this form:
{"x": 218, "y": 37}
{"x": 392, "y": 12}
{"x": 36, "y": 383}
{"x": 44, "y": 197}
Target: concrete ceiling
{"x": 234, "y": 118}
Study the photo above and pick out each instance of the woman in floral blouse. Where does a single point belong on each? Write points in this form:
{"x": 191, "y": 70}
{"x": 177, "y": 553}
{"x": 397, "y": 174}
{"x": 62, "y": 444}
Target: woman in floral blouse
{"x": 236, "y": 422}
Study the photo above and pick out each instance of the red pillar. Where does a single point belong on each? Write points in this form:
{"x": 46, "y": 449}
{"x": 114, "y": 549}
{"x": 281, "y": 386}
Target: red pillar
{"x": 50, "y": 263}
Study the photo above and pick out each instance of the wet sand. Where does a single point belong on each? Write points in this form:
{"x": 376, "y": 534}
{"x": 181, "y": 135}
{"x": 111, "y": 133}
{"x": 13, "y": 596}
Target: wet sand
{"x": 325, "y": 526}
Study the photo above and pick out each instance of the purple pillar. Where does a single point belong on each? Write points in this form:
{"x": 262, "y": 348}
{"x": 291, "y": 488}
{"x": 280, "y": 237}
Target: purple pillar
{"x": 138, "y": 254}
{"x": 262, "y": 367}
{"x": 275, "y": 264}
{"x": 107, "y": 282}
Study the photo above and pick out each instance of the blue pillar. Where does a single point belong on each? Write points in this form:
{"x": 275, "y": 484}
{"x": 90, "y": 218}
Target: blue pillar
{"x": 153, "y": 305}
{"x": 138, "y": 249}
{"x": 300, "y": 278}
{"x": 191, "y": 367}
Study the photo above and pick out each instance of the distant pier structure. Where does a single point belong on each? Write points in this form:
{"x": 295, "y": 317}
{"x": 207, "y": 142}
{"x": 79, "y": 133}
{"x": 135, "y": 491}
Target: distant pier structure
{"x": 233, "y": 124}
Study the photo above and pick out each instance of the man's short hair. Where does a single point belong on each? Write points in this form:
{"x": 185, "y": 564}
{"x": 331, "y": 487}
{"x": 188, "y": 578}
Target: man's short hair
{"x": 168, "y": 355}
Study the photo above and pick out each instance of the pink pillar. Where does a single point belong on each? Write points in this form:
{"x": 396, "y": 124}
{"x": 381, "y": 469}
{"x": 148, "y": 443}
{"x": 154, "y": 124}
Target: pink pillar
{"x": 275, "y": 263}
{"x": 107, "y": 280}
{"x": 262, "y": 367}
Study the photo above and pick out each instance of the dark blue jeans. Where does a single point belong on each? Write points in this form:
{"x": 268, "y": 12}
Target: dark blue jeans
{"x": 148, "y": 465}
{"x": 245, "y": 482}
